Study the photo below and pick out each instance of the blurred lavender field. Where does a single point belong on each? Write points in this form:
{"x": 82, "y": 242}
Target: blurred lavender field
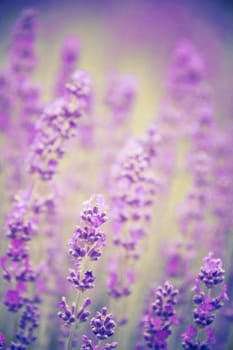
{"x": 116, "y": 165}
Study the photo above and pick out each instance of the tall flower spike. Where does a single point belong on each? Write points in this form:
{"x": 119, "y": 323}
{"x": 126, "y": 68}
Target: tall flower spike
{"x": 69, "y": 56}
{"x": 28, "y": 324}
{"x": 85, "y": 247}
{"x": 133, "y": 196}
{"x": 120, "y": 97}
{"x": 57, "y": 124}
{"x": 207, "y": 302}
{"x": 159, "y": 317}
{"x": 22, "y": 50}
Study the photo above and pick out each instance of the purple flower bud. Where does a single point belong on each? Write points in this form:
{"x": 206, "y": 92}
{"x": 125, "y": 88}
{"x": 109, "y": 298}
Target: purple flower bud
{"x": 13, "y": 300}
{"x": 212, "y": 272}
{"x": 103, "y": 324}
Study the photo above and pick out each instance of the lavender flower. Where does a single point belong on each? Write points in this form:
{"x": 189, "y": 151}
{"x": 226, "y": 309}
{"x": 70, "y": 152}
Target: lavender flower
{"x": 13, "y": 300}
{"x": 21, "y": 224}
{"x": 28, "y": 324}
{"x": 159, "y": 317}
{"x": 87, "y": 344}
{"x": 86, "y": 242}
{"x": 68, "y": 313}
{"x": 211, "y": 272}
{"x": 68, "y": 59}
{"x": 85, "y": 246}
{"x": 120, "y": 97}
{"x": 102, "y": 326}
{"x": 211, "y": 275}
{"x": 22, "y": 54}
{"x": 57, "y": 124}
{"x": 133, "y": 197}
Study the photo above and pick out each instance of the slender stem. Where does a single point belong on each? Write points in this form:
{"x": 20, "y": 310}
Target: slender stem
{"x": 77, "y": 301}
{"x": 72, "y": 329}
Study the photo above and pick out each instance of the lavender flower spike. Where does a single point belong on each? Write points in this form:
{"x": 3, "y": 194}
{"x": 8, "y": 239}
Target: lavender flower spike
{"x": 159, "y": 317}
{"x": 207, "y": 301}
{"x": 69, "y": 56}
{"x": 22, "y": 48}
{"x": 57, "y": 124}
{"x": 85, "y": 247}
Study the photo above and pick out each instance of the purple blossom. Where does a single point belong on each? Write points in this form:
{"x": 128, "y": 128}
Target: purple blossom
{"x": 212, "y": 272}
{"x": 160, "y": 316}
{"x": 85, "y": 246}
{"x": 28, "y": 324}
{"x": 120, "y": 97}
{"x": 18, "y": 270}
{"x": 22, "y": 50}
{"x": 19, "y": 224}
{"x": 134, "y": 188}
{"x": 207, "y": 303}
{"x": 57, "y": 124}
{"x": 103, "y": 325}
{"x": 81, "y": 281}
{"x": 68, "y": 314}
{"x": 87, "y": 344}
{"x": 13, "y": 300}
{"x": 87, "y": 240}
{"x": 119, "y": 285}
{"x": 68, "y": 59}
{"x": 190, "y": 343}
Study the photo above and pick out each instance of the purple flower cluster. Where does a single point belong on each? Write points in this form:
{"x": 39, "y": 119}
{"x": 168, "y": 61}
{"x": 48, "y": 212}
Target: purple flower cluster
{"x": 159, "y": 317}
{"x": 20, "y": 226}
{"x": 120, "y": 97}
{"x": 207, "y": 302}
{"x": 184, "y": 146}
{"x": 22, "y": 48}
{"x": 102, "y": 326}
{"x": 58, "y": 124}
{"x": 86, "y": 243}
{"x": 55, "y": 126}
{"x": 69, "y": 314}
{"x": 27, "y": 326}
{"x": 68, "y": 60}
{"x": 19, "y": 96}
{"x": 85, "y": 247}
{"x": 133, "y": 200}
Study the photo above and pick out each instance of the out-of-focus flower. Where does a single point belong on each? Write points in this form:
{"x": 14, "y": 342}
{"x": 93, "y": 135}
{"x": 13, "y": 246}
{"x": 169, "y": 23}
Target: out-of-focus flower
{"x": 22, "y": 50}
{"x": 58, "y": 124}
{"x": 68, "y": 59}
